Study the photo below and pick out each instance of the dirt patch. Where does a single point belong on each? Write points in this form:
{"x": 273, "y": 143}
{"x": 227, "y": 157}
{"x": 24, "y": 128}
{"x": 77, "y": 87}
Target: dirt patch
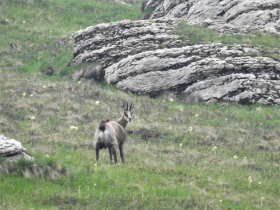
{"x": 59, "y": 200}
{"x": 147, "y": 134}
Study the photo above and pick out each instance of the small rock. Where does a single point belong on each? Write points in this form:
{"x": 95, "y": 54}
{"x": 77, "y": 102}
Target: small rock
{"x": 12, "y": 149}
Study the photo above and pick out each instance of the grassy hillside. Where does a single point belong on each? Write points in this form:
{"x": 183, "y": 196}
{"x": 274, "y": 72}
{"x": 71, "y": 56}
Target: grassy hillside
{"x": 35, "y": 34}
{"x": 179, "y": 156}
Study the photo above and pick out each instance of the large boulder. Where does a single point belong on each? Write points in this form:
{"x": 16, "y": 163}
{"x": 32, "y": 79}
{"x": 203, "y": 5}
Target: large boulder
{"x": 105, "y": 44}
{"x": 209, "y": 72}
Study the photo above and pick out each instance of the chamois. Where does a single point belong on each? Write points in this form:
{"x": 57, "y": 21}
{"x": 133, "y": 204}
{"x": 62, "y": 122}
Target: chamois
{"x": 111, "y": 134}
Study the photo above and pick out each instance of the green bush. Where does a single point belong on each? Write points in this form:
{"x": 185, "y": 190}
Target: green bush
{"x": 22, "y": 164}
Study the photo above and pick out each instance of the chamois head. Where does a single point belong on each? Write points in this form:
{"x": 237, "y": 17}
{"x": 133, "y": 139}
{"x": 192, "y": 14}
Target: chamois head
{"x": 127, "y": 111}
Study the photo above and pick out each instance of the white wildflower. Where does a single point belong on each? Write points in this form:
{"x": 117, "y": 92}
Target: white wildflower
{"x": 73, "y": 128}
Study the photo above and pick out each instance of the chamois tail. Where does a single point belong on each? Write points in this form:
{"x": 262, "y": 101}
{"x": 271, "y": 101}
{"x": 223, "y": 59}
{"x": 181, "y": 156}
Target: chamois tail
{"x": 102, "y": 125}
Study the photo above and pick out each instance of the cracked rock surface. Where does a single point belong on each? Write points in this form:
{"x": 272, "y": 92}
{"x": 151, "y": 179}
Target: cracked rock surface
{"x": 209, "y": 72}
{"x": 110, "y": 42}
{"x": 241, "y": 15}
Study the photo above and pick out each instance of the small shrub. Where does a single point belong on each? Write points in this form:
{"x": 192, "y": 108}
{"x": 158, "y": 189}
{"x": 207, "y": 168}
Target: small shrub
{"x": 22, "y": 164}
{"x": 67, "y": 71}
{"x": 46, "y": 68}
{"x": 2, "y": 160}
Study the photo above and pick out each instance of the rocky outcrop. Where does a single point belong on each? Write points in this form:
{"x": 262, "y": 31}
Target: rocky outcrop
{"x": 243, "y": 15}
{"x": 12, "y": 149}
{"x": 208, "y": 72}
{"x": 148, "y": 57}
{"x": 106, "y": 44}
{"x": 241, "y": 88}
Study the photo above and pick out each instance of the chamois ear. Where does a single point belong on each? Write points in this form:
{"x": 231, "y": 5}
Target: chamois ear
{"x": 125, "y": 105}
{"x": 131, "y": 108}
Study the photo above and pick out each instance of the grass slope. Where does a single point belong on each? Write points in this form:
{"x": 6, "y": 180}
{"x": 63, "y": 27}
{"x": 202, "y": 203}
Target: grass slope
{"x": 179, "y": 156}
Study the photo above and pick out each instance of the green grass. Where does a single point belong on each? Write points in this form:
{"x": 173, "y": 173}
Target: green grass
{"x": 159, "y": 172}
{"x": 41, "y": 30}
{"x": 171, "y": 160}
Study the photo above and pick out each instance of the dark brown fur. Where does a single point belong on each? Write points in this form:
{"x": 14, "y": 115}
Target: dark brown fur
{"x": 102, "y": 125}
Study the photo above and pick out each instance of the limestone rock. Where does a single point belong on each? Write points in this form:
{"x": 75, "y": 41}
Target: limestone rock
{"x": 147, "y": 57}
{"x": 209, "y": 72}
{"x": 12, "y": 149}
{"x": 261, "y": 15}
{"x": 105, "y": 44}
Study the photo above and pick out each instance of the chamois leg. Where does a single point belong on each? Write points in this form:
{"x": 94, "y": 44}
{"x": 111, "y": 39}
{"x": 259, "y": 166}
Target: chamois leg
{"x": 110, "y": 154}
{"x": 97, "y": 151}
{"x": 121, "y": 152}
{"x": 114, "y": 152}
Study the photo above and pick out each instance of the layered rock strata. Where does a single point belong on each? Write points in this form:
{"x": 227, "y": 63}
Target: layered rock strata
{"x": 106, "y": 44}
{"x": 208, "y": 72}
{"x": 243, "y": 15}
